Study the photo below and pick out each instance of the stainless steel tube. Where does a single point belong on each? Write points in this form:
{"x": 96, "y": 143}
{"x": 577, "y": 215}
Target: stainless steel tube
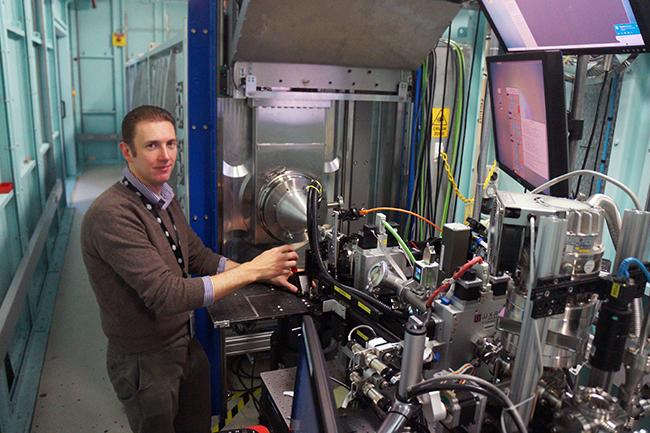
{"x": 612, "y": 214}
{"x": 412, "y": 356}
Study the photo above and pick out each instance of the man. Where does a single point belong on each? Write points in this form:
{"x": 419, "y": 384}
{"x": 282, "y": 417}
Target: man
{"x": 140, "y": 252}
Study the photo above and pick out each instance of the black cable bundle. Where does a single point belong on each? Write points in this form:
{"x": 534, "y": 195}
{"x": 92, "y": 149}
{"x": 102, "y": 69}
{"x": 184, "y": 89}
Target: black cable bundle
{"x": 593, "y": 129}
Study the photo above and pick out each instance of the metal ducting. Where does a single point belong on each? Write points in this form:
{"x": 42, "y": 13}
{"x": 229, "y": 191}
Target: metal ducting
{"x": 391, "y": 34}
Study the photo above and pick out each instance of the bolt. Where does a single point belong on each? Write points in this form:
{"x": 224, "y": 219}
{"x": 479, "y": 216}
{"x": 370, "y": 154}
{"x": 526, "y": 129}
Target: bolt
{"x": 205, "y": 31}
{"x": 550, "y": 312}
{"x": 570, "y": 289}
{"x": 193, "y": 126}
{"x": 547, "y": 294}
{"x": 195, "y": 218}
{"x": 205, "y": 127}
{"x": 193, "y": 30}
{"x": 205, "y": 217}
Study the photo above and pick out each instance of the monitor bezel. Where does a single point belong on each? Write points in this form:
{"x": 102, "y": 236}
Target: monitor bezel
{"x": 323, "y": 395}
{"x": 556, "y": 118}
{"x": 641, "y": 11}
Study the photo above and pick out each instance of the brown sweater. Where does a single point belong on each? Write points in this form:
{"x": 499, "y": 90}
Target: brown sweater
{"x": 143, "y": 298}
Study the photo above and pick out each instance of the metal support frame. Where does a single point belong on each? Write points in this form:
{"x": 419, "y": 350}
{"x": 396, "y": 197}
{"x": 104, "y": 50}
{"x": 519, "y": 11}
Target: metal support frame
{"x": 526, "y": 369}
{"x": 14, "y": 300}
{"x": 202, "y": 72}
{"x": 16, "y": 415}
{"x": 577, "y": 107}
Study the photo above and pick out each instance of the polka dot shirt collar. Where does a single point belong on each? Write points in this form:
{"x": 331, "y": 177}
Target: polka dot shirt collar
{"x": 163, "y": 200}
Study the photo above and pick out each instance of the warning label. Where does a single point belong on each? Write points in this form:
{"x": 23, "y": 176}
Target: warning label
{"x": 440, "y": 123}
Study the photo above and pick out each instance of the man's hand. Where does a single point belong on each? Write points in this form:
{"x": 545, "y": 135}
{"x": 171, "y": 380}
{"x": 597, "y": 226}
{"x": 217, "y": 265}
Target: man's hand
{"x": 272, "y": 264}
{"x": 283, "y": 281}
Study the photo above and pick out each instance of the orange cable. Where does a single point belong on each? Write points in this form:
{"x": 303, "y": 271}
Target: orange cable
{"x": 396, "y": 209}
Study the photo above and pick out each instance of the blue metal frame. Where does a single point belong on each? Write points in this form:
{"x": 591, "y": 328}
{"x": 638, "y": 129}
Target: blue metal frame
{"x": 202, "y": 156}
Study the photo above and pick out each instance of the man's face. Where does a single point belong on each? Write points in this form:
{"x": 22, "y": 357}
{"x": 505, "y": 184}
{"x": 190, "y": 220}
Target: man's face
{"x": 155, "y": 153}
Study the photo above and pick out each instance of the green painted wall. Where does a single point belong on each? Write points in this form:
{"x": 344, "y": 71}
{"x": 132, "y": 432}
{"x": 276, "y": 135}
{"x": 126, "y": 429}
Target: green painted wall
{"x": 98, "y": 66}
{"x": 63, "y": 98}
{"x": 32, "y": 159}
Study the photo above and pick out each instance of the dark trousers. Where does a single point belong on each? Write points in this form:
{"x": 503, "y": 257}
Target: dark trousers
{"x": 166, "y": 391}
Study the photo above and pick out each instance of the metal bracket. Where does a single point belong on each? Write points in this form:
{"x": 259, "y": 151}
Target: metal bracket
{"x": 335, "y": 306}
{"x": 549, "y": 297}
{"x": 222, "y": 324}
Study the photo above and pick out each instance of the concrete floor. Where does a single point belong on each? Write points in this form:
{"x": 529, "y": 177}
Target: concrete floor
{"x": 75, "y": 394}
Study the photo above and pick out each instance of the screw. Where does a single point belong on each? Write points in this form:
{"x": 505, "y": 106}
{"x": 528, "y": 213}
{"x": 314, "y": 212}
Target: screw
{"x": 205, "y": 217}
{"x": 195, "y": 218}
{"x": 193, "y": 30}
{"x": 546, "y": 294}
{"x": 570, "y": 289}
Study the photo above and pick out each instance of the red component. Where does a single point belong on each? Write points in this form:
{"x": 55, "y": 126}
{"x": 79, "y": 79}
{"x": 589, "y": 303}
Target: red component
{"x": 6, "y": 187}
{"x": 459, "y": 273}
{"x": 259, "y": 429}
{"x": 294, "y": 270}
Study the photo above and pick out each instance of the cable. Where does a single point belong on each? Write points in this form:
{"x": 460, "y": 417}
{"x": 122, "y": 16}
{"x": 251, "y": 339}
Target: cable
{"x": 452, "y": 181}
{"x": 459, "y": 273}
{"x": 400, "y": 241}
{"x": 624, "y": 268}
{"x": 613, "y": 102}
{"x": 335, "y": 380}
{"x": 396, "y": 209}
{"x": 255, "y": 402}
{"x": 360, "y": 327}
{"x": 428, "y": 384}
{"x": 442, "y": 105}
{"x": 571, "y": 174}
{"x": 489, "y": 175}
{"x": 416, "y": 100}
{"x": 312, "y": 211}
{"x": 459, "y": 101}
{"x": 600, "y": 135}
{"x": 469, "y": 95}
{"x": 591, "y": 135}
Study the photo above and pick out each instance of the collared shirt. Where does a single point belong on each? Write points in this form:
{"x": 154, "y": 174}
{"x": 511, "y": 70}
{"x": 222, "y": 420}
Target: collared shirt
{"x": 163, "y": 201}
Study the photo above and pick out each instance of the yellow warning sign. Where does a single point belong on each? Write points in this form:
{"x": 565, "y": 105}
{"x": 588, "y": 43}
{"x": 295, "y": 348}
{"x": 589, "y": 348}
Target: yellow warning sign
{"x": 119, "y": 39}
{"x": 440, "y": 123}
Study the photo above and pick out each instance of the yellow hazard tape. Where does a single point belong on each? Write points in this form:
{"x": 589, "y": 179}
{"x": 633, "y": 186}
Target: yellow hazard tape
{"x": 342, "y": 292}
{"x": 243, "y": 399}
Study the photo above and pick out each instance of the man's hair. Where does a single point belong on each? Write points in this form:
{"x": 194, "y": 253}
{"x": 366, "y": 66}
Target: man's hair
{"x": 143, "y": 113}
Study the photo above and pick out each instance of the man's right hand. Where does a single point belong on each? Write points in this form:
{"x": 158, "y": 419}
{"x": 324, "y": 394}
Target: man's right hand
{"x": 272, "y": 266}
{"x": 272, "y": 263}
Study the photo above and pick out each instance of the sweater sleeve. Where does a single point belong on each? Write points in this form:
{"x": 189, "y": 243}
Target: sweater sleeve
{"x": 120, "y": 239}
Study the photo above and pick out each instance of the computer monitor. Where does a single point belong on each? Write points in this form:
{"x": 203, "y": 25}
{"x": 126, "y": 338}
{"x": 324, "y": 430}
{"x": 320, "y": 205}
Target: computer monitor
{"x": 529, "y": 117}
{"x": 313, "y": 409}
{"x": 573, "y": 27}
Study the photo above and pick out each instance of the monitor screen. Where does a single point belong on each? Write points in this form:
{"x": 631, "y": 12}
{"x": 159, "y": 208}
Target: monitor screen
{"x": 576, "y": 26}
{"x": 313, "y": 409}
{"x": 529, "y": 118}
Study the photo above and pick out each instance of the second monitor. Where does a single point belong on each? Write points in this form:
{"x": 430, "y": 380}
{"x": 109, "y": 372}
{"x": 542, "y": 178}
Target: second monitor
{"x": 529, "y": 117}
